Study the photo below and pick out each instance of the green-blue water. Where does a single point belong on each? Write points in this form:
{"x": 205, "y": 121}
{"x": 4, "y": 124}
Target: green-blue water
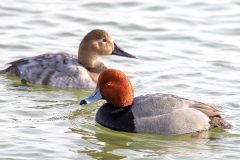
{"x": 189, "y": 48}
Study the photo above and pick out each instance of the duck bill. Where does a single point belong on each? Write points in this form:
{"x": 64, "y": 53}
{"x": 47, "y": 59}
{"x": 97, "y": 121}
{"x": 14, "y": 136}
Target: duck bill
{"x": 119, "y": 52}
{"x": 95, "y": 96}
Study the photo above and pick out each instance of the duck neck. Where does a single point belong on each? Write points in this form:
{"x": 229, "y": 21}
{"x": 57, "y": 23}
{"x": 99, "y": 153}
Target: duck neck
{"x": 95, "y": 72}
{"x": 88, "y": 59}
{"x": 92, "y": 62}
{"x": 117, "y": 109}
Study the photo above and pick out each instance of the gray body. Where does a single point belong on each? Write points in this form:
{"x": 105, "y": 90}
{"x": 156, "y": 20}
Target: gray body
{"x": 58, "y": 70}
{"x": 169, "y": 114}
{"x": 158, "y": 113}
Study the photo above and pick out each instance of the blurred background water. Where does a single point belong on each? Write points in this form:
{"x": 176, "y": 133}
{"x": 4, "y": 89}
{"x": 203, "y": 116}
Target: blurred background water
{"x": 190, "y": 48}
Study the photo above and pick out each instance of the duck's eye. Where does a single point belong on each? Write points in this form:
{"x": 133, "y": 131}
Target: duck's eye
{"x": 109, "y": 83}
{"x": 104, "y": 40}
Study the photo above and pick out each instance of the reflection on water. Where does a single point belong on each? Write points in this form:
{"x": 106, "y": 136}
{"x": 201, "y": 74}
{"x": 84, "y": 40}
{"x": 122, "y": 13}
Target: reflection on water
{"x": 108, "y": 144}
{"x": 189, "y": 48}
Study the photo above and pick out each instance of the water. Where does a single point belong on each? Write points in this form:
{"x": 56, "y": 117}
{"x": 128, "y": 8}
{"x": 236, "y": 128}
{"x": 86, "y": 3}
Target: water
{"x": 189, "y": 48}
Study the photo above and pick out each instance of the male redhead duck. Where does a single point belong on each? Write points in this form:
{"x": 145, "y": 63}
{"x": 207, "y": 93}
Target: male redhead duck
{"x": 151, "y": 113}
{"x": 66, "y": 70}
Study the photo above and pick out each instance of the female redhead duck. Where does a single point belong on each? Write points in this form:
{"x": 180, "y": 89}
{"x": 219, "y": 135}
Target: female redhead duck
{"x": 151, "y": 113}
{"x": 66, "y": 70}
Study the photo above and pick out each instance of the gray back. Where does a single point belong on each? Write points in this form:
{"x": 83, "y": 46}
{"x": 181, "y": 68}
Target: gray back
{"x": 167, "y": 114}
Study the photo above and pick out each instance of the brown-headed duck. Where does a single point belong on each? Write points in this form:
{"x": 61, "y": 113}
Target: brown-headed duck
{"x": 66, "y": 70}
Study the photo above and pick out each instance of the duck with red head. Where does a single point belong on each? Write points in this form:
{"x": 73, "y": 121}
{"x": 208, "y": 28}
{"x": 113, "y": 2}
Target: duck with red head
{"x": 152, "y": 113}
{"x": 116, "y": 88}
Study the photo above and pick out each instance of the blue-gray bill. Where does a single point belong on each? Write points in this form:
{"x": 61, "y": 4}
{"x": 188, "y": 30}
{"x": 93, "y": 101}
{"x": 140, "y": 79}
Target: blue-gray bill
{"x": 96, "y": 95}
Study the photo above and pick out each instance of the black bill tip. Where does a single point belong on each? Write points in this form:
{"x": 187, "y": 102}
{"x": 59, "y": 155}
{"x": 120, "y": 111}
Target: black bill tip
{"x": 83, "y": 102}
{"x": 119, "y": 52}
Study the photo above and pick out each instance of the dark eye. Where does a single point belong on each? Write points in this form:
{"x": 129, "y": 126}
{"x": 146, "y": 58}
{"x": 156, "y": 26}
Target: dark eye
{"x": 104, "y": 40}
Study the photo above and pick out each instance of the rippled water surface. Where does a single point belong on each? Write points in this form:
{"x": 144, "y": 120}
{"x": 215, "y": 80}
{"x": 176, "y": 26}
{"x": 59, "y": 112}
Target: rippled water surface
{"x": 190, "y": 48}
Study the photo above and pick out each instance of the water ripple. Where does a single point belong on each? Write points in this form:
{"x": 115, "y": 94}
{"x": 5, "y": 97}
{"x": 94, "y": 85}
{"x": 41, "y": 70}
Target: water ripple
{"x": 189, "y": 48}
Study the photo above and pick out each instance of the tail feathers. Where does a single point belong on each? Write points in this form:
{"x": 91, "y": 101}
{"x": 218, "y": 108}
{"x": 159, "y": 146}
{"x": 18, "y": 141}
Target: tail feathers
{"x": 219, "y": 122}
{"x": 214, "y": 115}
{"x": 3, "y": 71}
{"x": 11, "y": 70}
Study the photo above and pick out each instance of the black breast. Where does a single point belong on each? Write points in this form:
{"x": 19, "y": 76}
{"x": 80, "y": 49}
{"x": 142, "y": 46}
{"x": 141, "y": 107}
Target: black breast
{"x": 118, "y": 118}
